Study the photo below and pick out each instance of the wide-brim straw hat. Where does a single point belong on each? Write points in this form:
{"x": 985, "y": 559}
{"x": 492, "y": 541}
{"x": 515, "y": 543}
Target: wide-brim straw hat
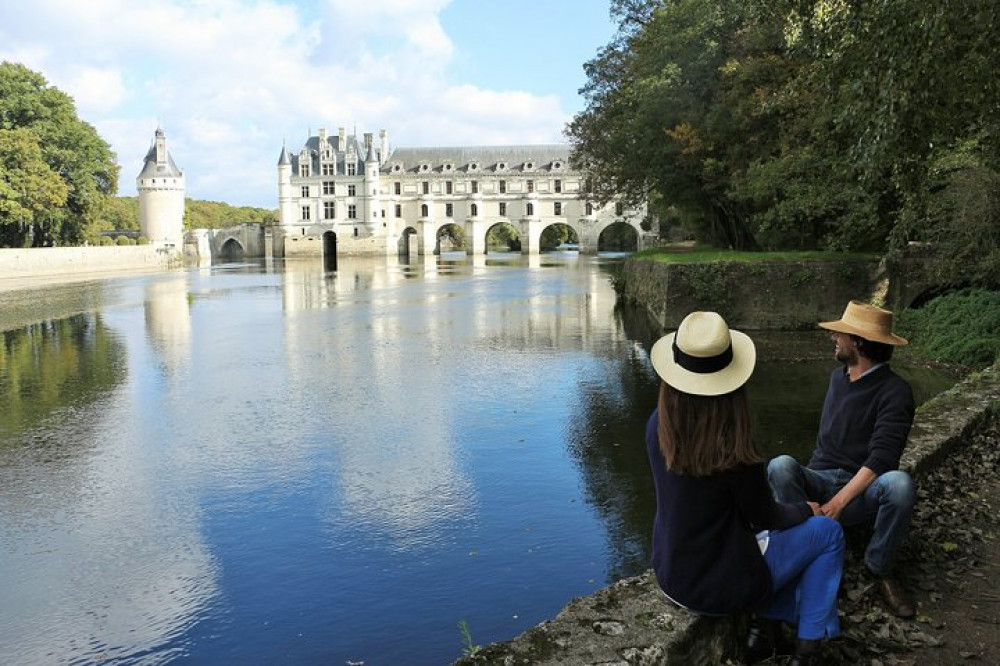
{"x": 704, "y": 356}
{"x": 868, "y": 322}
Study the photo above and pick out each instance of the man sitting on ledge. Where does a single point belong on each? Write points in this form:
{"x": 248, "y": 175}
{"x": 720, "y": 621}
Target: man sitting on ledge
{"x": 866, "y": 419}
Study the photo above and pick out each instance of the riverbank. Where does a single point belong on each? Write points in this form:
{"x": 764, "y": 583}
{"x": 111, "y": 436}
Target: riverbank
{"x": 57, "y": 263}
{"x": 631, "y": 623}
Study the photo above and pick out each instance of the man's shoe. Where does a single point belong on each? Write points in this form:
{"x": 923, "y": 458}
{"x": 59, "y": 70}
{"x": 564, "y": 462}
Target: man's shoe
{"x": 896, "y": 597}
{"x": 806, "y": 653}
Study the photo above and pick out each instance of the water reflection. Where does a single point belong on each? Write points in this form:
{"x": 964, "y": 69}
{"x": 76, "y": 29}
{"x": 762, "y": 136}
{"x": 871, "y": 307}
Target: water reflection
{"x": 54, "y": 363}
{"x": 272, "y": 464}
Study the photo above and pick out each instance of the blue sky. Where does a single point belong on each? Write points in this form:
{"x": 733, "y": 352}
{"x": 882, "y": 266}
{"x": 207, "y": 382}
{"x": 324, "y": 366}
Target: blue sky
{"x": 230, "y": 81}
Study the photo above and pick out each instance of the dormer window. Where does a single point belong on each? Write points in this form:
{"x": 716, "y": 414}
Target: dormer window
{"x": 425, "y": 167}
{"x": 528, "y": 166}
{"x": 557, "y": 165}
{"x": 474, "y": 166}
{"x": 396, "y": 168}
{"x": 448, "y": 166}
{"x": 501, "y": 166}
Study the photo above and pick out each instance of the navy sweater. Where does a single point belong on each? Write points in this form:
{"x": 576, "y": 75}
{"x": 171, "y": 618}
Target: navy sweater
{"x": 705, "y": 551}
{"x": 864, "y": 423}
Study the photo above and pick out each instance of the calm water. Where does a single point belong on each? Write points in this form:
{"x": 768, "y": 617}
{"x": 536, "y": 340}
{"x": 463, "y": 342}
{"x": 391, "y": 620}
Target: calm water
{"x": 261, "y": 465}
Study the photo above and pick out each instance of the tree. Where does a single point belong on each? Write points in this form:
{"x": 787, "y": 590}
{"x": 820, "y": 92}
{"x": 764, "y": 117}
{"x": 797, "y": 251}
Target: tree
{"x": 29, "y": 188}
{"x": 70, "y": 147}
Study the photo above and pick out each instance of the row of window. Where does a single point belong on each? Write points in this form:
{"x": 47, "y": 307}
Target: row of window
{"x": 330, "y": 210}
{"x": 327, "y": 169}
{"x": 330, "y": 188}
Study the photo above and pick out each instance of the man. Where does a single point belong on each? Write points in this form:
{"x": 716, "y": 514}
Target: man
{"x": 854, "y": 470}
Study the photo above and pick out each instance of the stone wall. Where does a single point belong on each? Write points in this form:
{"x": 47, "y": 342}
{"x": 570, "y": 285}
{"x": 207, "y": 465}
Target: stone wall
{"x": 785, "y": 295}
{"x": 630, "y": 623}
{"x": 61, "y": 261}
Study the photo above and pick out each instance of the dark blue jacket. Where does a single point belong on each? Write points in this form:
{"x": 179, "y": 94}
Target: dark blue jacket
{"x": 705, "y": 551}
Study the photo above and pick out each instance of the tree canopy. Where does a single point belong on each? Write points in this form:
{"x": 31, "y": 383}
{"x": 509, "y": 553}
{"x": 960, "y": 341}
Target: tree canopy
{"x": 831, "y": 124}
{"x": 43, "y": 142}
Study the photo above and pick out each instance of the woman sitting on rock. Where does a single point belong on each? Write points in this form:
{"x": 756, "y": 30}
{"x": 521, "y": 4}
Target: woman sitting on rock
{"x": 721, "y": 543}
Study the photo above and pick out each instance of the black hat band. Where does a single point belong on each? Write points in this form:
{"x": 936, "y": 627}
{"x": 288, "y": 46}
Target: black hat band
{"x": 703, "y": 365}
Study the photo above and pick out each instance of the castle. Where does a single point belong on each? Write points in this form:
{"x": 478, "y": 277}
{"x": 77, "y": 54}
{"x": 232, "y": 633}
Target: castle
{"x": 341, "y": 194}
{"x": 161, "y": 196}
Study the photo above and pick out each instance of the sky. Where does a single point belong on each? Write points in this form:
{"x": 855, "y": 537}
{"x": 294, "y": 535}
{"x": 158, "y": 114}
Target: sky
{"x": 232, "y": 81}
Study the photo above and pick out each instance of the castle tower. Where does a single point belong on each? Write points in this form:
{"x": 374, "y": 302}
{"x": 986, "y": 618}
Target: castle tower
{"x": 161, "y": 196}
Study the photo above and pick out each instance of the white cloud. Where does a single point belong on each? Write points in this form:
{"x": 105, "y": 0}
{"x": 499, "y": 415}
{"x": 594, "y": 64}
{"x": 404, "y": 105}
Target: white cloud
{"x": 230, "y": 80}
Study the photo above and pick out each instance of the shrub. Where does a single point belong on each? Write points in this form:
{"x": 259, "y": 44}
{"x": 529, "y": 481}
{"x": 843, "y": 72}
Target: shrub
{"x": 960, "y": 328}
{"x": 121, "y": 240}
{"x": 142, "y": 240}
{"x": 106, "y": 240}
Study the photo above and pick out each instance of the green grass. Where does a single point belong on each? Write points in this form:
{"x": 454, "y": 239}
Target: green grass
{"x": 704, "y": 254}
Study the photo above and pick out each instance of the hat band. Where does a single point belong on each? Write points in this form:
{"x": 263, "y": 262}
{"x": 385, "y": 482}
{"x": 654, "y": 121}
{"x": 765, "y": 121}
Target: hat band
{"x": 703, "y": 365}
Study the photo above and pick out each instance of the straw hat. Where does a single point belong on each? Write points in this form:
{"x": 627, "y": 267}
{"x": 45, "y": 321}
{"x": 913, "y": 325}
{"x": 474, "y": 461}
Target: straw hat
{"x": 868, "y": 322}
{"x": 704, "y": 356}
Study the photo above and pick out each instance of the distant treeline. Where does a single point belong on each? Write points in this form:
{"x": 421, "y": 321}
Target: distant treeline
{"x": 122, "y": 213}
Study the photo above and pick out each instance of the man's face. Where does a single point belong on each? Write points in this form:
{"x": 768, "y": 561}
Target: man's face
{"x": 845, "y": 349}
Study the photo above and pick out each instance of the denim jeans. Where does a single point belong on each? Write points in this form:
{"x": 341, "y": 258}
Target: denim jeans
{"x": 806, "y": 563}
{"x": 888, "y": 503}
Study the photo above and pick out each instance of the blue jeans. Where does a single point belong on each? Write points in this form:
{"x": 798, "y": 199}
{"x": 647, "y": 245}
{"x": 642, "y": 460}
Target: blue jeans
{"x": 888, "y": 503}
{"x": 806, "y": 563}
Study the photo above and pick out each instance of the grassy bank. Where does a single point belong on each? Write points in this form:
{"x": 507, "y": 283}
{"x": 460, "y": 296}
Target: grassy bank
{"x": 694, "y": 254}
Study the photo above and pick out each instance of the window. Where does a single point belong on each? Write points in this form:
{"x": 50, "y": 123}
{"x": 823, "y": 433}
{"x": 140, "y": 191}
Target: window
{"x": 448, "y": 210}
{"x": 426, "y": 187}
{"x": 352, "y": 190}
{"x": 329, "y": 210}
{"x": 590, "y": 208}
{"x": 305, "y": 213}
{"x": 557, "y": 208}
{"x": 474, "y": 209}
{"x": 399, "y": 210}
{"x": 447, "y": 187}
{"x": 355, "y": 232}
{"x": 305, "y": 191}
{"x": 529, "y": 209}
{"x": 304, "y": 170}
{"x": 474, "y": 185}
{"x": 503, "y": 187}
{"x": 619, "y": 208}
{"x": 329, "y": 187}
{"x": 588, "y": 185}
{"x": 557, "y": 186}
{"x": 352, "y": 212}
{"x": 352, "y": 169}
{"x": 423, "y": 210}
{"x": 531, "y": 186}
{"x": 503, "y": 209}
{"x": 328, "y": 169}
{"x": 397, "y": 187}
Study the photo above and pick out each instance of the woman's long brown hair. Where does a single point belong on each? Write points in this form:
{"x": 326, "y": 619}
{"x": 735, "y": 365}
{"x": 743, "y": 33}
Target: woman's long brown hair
{"x": 700, "y": 435}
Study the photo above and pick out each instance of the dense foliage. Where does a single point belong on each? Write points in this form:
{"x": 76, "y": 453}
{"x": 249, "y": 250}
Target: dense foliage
{"x": 810, "y": 124}
{"x": 960, "y": 328}
{"x": 55, "y": 170}
{"x": 122, "y": 213}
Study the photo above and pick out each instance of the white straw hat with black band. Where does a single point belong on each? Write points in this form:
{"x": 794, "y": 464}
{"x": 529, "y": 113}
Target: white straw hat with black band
{"x": 704, "y": 356}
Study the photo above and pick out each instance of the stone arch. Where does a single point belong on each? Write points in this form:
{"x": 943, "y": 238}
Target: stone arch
{"x": 510, "y": 238}
{"x": 408, "y": 245}
{"x": 558, "y": 231}
{"x": 449, "y": 235}
{"x": 330, "y": 250}
{"x": 231, "y": 250}
{"x": 618, "y": 236}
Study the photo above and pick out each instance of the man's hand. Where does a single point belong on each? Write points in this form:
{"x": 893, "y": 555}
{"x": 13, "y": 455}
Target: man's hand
{"x": 815, "y": 508}
{"x": 832, "y": 508}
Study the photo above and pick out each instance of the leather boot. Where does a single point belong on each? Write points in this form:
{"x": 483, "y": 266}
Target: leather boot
{"x": 806, "y": 653}
{"x": 764, "y": 640}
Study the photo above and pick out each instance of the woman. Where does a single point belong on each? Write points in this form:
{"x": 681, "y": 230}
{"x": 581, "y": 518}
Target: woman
{"x": 721, "y": 543}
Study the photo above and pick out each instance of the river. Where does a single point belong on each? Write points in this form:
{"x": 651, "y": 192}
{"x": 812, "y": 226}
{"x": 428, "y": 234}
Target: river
{"x": 261, "y": 464}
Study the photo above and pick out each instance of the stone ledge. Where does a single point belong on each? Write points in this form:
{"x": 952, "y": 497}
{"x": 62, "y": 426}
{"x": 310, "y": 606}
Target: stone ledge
{"x": 631, "y": 623}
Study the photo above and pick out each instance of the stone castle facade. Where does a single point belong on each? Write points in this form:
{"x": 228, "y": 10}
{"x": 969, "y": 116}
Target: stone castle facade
{"x": 346, "y": 194}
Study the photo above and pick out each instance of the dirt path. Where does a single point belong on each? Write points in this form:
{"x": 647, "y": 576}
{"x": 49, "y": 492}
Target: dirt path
{"x": 951, "y": 562}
